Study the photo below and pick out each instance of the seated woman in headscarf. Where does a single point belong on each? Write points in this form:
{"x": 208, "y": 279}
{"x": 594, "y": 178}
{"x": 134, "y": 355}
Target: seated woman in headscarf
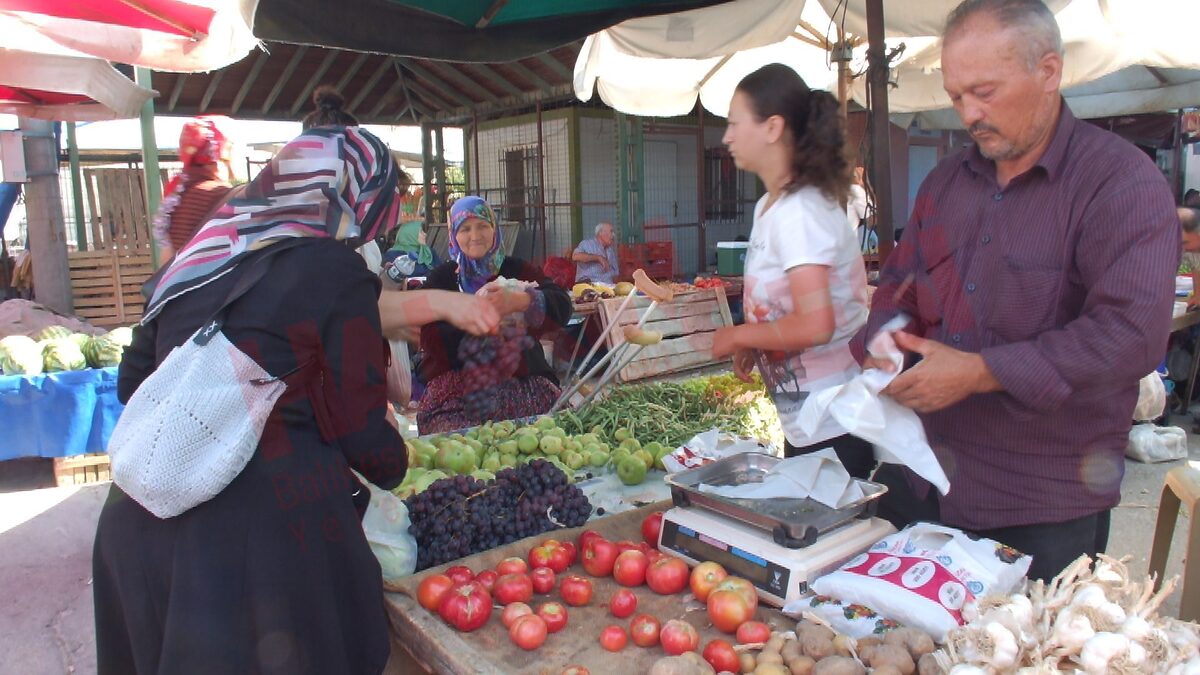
{"x": 410, "y": 256}
{"x": 196, "y": 192}
{"x": 473, "y": 379}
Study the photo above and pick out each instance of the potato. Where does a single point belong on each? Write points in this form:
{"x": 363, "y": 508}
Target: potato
{"x": 842, "y": 645}
{"x": 791, "y": 649}
{"x": 748, "y": 662}
{"x": 690, "y": 663}
{"x": 775, "y": 644}
{"x": 915, "y": 641}
{"x": 864, "y": 653}
{"x": 801, "y": 665}
{"x": 885, "y": 670}
{"x": 768, "y": 656}
{"x": 869, "y": 641}
{"x": 890, "y": 655}
{"x": 804, "y": 628}
{"x": 817, "y": 646}
{"x": 928, "y": 665}
{"x": 839, "y": 665}
{"x": 770, "y": 669}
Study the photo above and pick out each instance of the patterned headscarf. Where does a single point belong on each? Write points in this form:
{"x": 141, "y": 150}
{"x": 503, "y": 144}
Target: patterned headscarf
{"x": 201, "y": 147}
{"x": 329, "y": 183}
{"x": 474, "y": 274}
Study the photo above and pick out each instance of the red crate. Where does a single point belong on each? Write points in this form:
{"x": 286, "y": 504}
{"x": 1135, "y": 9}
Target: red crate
{"x": 657, "y": 258}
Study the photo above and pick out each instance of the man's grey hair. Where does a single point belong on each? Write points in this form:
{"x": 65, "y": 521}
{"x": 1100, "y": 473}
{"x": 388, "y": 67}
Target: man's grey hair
{"x": 1189, "y": 218}
{"x": 601, "y": 226}
{"x": 1032, "y": 19}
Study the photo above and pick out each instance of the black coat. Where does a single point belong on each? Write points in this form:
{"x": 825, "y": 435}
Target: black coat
{"x": 274, "y": 574}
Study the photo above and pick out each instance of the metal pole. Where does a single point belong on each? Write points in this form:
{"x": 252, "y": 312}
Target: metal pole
{"x": 881, "y": 145}
{"x": 478, "y": 183}
{"x": 542, "y": 181}
{"x": 76, "y": 189}
{"x": 443, "y": 190}
{"x": 700, "y": 185}
{"x": 150, "y": 173}
{"x": 47, "y": 236}
{"x": 426, "y": 173}
{"x": 1177, "y": 157}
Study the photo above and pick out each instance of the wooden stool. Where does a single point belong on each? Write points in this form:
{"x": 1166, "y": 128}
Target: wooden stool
{"x": 1182, "y": 488}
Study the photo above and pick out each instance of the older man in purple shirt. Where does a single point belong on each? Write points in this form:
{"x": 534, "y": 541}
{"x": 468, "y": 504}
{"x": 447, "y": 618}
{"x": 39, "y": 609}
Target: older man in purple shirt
{"x": 1037, "y": 270}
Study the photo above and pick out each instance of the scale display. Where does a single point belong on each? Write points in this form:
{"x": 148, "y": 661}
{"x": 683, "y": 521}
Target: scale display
{"x": 763, "y": 573}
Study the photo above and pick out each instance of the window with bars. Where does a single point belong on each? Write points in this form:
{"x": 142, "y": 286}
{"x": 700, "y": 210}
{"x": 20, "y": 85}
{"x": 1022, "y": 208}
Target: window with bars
{"x": 521, "y": 191}
{"x": 723, "y": 186}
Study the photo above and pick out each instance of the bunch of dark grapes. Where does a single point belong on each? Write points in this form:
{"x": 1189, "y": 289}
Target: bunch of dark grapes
{"x": 460, "y": 516}
{"x": 487, "y": 361}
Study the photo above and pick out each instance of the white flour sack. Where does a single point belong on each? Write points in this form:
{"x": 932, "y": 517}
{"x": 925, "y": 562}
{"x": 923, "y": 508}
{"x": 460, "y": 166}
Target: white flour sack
{"x": 923, "y": 575}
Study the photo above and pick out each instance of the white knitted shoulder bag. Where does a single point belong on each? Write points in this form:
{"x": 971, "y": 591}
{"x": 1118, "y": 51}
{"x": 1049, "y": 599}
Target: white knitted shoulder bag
{"x": 193, "y": 424}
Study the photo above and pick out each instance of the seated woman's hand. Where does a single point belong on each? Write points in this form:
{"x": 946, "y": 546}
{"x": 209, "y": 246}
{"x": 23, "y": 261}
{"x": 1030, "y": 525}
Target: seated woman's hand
{"x": 505, "y": 301}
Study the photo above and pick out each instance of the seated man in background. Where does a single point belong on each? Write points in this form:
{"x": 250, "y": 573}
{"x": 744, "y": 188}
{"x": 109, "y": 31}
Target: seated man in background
{"x": 597, "y": 257}
{"x": 1189, "y": 221}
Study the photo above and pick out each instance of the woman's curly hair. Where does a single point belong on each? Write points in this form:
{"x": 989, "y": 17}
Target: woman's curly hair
{"x": 814, "y": 124}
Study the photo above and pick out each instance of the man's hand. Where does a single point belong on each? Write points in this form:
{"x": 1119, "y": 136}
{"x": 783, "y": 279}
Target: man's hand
{"x": 724, "y": 343}
{"x": 743, "y": 364}
{"x": 471, "y": 313}
{"x": 603, "y": 260}
{"x": 944, "y": 376}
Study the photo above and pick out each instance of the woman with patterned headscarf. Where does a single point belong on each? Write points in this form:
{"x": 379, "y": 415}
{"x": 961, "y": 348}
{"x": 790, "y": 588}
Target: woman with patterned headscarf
{"x": 473, "y": 379}
{"x": 273, "y": 575}
{"x": 196, "y": 191}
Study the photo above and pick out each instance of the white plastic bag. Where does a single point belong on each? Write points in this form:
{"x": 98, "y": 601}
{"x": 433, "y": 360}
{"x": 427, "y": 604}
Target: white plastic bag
{"x": 385, "y": 525}
{"x": 1149, "y": 443}
{"x": 709, "y": 446}
{"x": 1152, "y": 398}
{"x": 923, "y": 575}
{"x": 861, "y": 410}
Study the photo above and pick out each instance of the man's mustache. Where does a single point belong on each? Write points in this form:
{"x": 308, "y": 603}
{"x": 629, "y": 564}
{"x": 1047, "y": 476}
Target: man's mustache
{"x": 980, "y": 127}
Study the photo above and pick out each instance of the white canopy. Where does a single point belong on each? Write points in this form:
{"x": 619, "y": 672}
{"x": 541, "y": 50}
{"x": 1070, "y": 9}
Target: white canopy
{"x": 1122, "y": 56}
{"x": 112, "y": 95}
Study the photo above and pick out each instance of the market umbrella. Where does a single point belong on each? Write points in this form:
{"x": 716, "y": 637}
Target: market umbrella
{"x": 170, "y": 35}
{"x": 660, "y": 65}
{"x": 67, "y": 88}
{"x": 449, "y": 30}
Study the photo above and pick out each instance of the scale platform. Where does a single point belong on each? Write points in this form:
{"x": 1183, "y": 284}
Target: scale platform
{"x": 779, "y": 573}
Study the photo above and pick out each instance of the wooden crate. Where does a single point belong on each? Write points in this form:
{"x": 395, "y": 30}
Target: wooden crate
{"x": 107, "y": 285}
{"x": 81, "y": 469}
{"x": 687, "y": 324}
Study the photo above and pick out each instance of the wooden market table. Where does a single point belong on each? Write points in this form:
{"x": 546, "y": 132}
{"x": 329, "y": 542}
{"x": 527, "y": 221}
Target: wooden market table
{"x": 430, "y": 644}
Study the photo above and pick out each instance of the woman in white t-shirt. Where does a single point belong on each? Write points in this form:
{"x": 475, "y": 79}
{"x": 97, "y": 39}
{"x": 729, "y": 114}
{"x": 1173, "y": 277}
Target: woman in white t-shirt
{"x": 805, "y": 284}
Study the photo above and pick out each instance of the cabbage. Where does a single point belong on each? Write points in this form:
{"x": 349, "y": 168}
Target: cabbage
{"x": 20, "y": 355}
{"x": 62, "y": 354}
{"x": 52, "y": 333}
{"x": 122, "y": 336}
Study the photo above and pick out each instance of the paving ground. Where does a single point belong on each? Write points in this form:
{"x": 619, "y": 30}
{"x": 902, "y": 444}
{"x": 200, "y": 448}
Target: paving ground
{"x": 46, "y": 547}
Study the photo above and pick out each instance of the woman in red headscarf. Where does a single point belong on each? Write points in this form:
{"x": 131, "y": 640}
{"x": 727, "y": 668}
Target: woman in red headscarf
{"x": 195, "y": 192}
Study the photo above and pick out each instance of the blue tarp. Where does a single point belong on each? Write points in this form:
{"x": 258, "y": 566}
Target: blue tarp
{"x": 58, "y": 414}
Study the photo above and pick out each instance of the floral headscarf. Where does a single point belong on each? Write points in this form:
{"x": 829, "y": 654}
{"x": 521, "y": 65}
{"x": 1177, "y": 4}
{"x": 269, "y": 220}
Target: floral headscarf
{"x": 202, "y": 147}
{"x": 474, "y": 274}
{"x": 328, "y": 183}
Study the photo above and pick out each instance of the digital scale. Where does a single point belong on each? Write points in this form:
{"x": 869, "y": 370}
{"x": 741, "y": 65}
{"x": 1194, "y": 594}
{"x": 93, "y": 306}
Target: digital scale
{"x": 779, "y": 544}
{"x": 780, "y": 574}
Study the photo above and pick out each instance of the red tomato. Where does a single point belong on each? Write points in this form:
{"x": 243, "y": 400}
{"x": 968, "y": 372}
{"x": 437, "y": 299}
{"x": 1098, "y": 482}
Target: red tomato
{"x": 543, "y": 580}
{"x": 512, "y": 566}
{"x": 466, "y": 606}
{"x": 705, "y": 577}
{"x": 488, "y": 579}
{"x": 586, "y": 537}
{"x": 554, "y": 614}
{"x": 572, "y": 552}
{"x": 721, "y": 656}
{"x": 613, "y": 638}
{"x": 576, "y": 591}
{"x": 553, "y": 556}
{"x": 431, "y": 589}
{"x": 513, "y": 588}
{"x": 753, "y": 631}
{"x": 460, "y": 574}
{"x": 651, "y": 526}
{"x": 623, "y": 603}
{"x": 598, "y": 557}
{"x": 626, "y": 545}
{"x": 667, "y": 576}
{"x": 513, "y": 612}
{"x": 528, "y": 632}
{"x": 644, "y": 630}
{"x": 731, "y": 604}
{"x": 652, "y": 553}
{"x": 678, "y": 637}
{"x": 630, "y": 568}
